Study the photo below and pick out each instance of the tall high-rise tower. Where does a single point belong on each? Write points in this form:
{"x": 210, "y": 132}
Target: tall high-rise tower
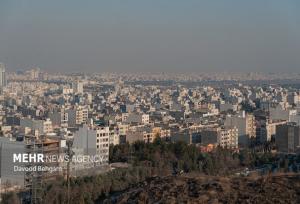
{"x": 2, "y": 76}
{"x": 77, "y": 87}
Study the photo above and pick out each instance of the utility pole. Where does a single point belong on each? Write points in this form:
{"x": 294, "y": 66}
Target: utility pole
{"x": 1, "y": 173}
{"x": 70, "y": 153}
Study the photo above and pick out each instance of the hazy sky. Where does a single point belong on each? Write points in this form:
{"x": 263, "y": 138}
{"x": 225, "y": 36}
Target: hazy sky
{"x": 152, "y": 35}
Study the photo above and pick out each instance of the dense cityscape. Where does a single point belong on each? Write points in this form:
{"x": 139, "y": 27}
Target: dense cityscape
{"x": 145, "y": 125}
{"x": 149, "y": 102}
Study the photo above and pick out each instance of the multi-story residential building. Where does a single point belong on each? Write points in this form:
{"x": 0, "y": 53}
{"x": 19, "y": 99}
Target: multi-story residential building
{"x": 2, "y": 75}
{"x": 136, "y": 118}
{"x": 77, "y": 116}
{"x": 293, "y": 98}
{"x": 228, "y": 106}
{"x": 228, "y": 137}
{"x": 67, "y": 90}
{"x": 103, "y": 136}
{"x": 59, "y": 118}
{"x": 77, "y": 87}
{"x": 225, "y": 137}
{"x": 278, "y": 113}
{"x": 42, "y": 126}
{"x": 7, "y": 172}
{"x": 161, "y": 132}
{"x": 266, "y": 130}
{"x": 123, "y": 128}
{"x": 140, "y": 134}
{"x": 295, "y": 118}
{"x": 245, "y": 124}
{"x": 288, "y": 138}
{"x": 91, "y": 141}
{"x": 35, "y": 73}
{"x": 114, "y": 135}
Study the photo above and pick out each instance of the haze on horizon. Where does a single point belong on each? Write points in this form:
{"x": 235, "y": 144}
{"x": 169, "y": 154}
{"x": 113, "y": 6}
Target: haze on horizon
{"x": 151, "y": 36}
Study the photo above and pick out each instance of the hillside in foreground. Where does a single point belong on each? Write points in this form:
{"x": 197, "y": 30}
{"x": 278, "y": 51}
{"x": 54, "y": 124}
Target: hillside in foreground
{"x": 207, "y": 189}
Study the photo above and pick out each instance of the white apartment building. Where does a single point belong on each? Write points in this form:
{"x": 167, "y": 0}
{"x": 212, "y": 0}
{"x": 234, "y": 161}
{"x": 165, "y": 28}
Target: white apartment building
{"x": 91, "y": 141}
{"x": 102, "y": 139}
{"x": 77, "y": 87}
{"x": 228, "y": 137}
{"x": 245, "y": 124}
{"x": 7, "y": 149}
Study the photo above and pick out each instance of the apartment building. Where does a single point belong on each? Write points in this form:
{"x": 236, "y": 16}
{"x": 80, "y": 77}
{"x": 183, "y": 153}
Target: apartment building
{"x": 42, "y": 126}
{"x": 77, "y": 116}
{"x": 245, "y": 123}
{"x": 223, "y": 136}
{"x": 288, "y": 138}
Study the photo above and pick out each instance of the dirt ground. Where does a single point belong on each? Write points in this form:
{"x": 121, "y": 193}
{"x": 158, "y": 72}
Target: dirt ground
{"x": 205, "y": 189}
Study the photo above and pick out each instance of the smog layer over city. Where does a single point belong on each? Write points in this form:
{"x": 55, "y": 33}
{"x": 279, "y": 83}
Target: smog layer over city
{"x": 155, "y": 101}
